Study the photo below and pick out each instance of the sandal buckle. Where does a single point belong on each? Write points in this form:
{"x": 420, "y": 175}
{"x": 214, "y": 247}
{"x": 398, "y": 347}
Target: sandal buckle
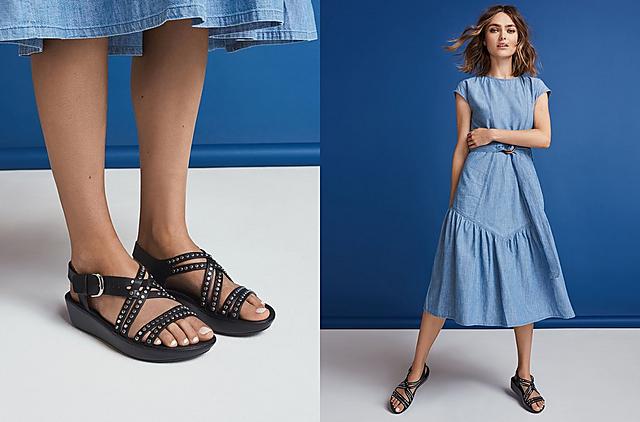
{"x": 100, "y": 284}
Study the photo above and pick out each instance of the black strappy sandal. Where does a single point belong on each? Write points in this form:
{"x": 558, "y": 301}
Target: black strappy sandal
{"x": 224, "y": 319}
{"x": 518, "y": 385}
{"x": 137, "y": 291}
{"x": 407, "y": 385}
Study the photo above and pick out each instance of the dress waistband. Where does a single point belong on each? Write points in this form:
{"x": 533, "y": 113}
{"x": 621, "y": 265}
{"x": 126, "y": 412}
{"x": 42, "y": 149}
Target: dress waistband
{"x": 500, "y": 147}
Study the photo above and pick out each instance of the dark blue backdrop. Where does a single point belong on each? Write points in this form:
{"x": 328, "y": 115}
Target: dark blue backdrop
{"x": 260, "y": 106}
{"x": 388, "y": 133}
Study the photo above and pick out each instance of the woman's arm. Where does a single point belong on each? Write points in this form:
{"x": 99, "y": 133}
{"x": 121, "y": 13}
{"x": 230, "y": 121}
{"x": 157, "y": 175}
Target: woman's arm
{"x": 538, "y": 137}
{"x": 463, "y": 121}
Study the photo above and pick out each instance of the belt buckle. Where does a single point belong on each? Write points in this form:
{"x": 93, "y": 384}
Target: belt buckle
{"x": 100, "y": 285}
{"x": 510, "y": 150}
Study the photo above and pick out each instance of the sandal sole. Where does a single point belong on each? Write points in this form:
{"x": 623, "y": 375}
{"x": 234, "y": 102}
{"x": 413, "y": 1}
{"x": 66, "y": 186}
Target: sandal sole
{"x": 222, "y": 324}
{"x": 92, "y": 323}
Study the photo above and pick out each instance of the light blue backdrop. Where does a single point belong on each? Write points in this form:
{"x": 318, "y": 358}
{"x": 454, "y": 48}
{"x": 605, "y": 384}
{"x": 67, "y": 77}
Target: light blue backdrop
{"x": 388, "y": 133}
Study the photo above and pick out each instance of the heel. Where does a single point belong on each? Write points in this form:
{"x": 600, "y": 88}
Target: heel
{"x": 77, "y": 316}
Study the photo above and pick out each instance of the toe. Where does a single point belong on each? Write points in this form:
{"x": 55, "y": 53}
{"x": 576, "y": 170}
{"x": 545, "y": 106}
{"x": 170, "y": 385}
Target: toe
{"x": 167, "y": 339}
{"x": 253, "y": 312}
{"x": 191, "y": 333}
{"x": 205, "y": 332}
{"x": 255, "y": 301}
{"x": 178, "y": 334}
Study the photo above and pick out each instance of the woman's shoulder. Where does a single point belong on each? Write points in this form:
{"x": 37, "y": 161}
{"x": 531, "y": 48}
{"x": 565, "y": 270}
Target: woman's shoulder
{"x": 463, "y": 86}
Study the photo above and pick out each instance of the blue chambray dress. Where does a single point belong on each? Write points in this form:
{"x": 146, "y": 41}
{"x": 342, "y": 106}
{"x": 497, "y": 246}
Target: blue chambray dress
{"x": 232, "y": 24}
{"x": 496, "y": 262}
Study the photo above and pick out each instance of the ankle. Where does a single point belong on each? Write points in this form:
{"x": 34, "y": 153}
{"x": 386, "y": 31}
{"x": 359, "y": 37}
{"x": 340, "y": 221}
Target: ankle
{"x": 165, "y": 243}
{"x": 108, "y": 259}
{"x": 416, "y": 371}
{"x": 524, "y": 374}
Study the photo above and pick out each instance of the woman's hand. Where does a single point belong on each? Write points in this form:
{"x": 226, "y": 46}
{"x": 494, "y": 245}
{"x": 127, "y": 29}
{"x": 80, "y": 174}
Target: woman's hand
{"x": 479, "y": 136}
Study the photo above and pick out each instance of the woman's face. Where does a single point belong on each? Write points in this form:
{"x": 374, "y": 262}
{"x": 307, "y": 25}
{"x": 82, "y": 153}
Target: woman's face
{"x": 501, "y": 36}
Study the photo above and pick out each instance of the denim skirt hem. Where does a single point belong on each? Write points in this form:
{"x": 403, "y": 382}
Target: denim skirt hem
{"x": 468, "y": 323}
{"x": 124, "y": 24}
{"x": 481, "y": 277}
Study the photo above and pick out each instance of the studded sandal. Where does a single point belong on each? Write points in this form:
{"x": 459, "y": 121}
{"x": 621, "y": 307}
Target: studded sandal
{"x": 221, "y": 314}
{"x": 524, "y": 388}
{"x": 137, "y": 291}
{"x": 407, "y": 386}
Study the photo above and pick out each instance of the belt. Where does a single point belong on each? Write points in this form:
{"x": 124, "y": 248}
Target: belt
{"x": 530, "y": 190}
{"x": 500, "y": 147}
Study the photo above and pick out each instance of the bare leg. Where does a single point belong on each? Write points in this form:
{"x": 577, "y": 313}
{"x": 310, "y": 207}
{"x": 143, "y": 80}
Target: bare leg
{"x": 70, "y": 85}
{"x": 166, "y": 87}
{"x": 429, "y": 329}
{"x": 524, "y": 338}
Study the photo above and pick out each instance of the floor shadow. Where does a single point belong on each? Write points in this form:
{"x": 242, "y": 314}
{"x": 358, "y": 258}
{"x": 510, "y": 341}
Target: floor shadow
{"x": 382, "y": 358}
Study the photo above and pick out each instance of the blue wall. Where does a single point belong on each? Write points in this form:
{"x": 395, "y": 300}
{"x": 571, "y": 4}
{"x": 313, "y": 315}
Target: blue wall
{"x": 388, "y": 133}
{"x": 260, "y": 106}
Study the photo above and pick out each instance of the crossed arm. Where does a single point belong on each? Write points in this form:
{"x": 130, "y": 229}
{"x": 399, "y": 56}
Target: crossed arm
{"x": 538, "y": 137}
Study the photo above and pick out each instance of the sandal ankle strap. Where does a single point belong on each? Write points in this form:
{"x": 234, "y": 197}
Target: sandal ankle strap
{"x": 95, "y": 285}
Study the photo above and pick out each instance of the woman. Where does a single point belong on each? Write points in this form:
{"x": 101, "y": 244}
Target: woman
{"x": 496, "y": 262}
{"x": 163, "y": 305}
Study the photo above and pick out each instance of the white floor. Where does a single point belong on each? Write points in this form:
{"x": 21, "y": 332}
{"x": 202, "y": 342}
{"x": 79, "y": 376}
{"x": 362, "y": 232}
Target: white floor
{"x": 262, "y": 224}
{"x": 583, "y": 374}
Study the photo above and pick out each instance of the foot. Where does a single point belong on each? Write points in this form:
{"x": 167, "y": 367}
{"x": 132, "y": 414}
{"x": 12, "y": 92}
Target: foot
{"x": 182, "y": 332}
{"x": 414, "y": 375}
{"x": 253, "y": 308}
{"x": 527, "y": 376}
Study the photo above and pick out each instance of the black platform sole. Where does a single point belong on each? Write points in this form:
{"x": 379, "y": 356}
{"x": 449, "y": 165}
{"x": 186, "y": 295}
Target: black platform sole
{"x": 223, "y": 325}
{"x": 92, "y": 323}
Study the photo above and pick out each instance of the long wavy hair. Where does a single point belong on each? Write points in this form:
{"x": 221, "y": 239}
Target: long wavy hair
{"x": 477, "y": 60}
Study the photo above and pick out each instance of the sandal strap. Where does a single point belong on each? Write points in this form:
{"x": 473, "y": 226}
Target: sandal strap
{"x": 242, "y": 297}
{"x": 138, "y": 292}
{"x": 218, "y": 275}
{"x": 233, "y": 302}
{"x": 400, "y": 398}
{"x": 212, "y": 279}
{"x": 186, "y": 256}
{"x": 95, "y": 285}
{"x": 226, "y": 306}
{"x": 160, "y": 322}
{"x": 533, "y": 400}
{"x": 409, "y": 392}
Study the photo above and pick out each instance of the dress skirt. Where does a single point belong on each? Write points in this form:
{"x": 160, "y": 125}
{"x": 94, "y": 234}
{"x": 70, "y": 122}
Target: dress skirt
{"x": 496, "y": 262}
{"x": 232, "y": 24}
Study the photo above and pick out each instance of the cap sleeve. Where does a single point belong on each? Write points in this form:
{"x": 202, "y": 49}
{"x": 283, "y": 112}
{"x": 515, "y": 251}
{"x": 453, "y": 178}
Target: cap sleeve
{"x": 461, "y": 89}
{"x": 540, "y": 88}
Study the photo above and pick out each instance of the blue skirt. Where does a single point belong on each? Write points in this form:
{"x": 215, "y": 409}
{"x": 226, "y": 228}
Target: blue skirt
{"x": 232, "y": 24}
{"x": 496, "y": 262}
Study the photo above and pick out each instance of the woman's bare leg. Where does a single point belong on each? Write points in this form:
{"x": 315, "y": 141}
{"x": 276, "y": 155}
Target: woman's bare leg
{"x": 430, "y": 327}
{"x": 524, "y": 339}
{"x": 70, "y": 85}
{"x": 166, "y": 87}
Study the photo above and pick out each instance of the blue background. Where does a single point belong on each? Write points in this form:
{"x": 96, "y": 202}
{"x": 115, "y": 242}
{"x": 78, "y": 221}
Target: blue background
{"x": 388, "y": 134}
{"x": 260, "y": 106}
